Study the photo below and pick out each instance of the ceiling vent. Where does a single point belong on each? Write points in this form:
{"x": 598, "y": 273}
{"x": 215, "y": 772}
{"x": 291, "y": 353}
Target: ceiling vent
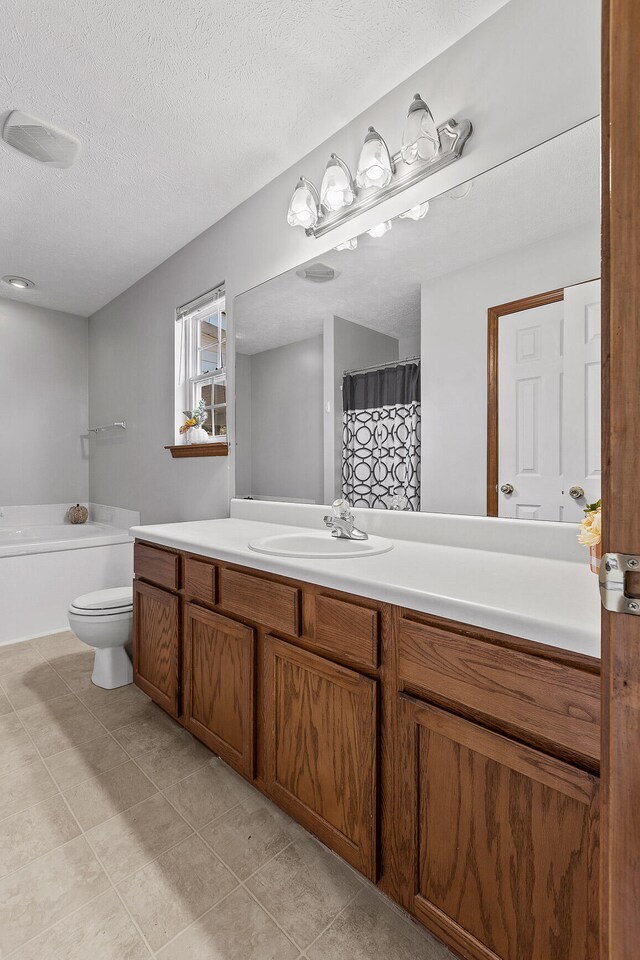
{"x": 318, "y": 273}
{"x": 39, "y": 140}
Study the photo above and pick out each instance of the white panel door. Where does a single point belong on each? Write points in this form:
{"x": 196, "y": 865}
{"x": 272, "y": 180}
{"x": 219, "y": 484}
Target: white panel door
{"x": 530, "y": 347}
{"x": 582, "y": 368}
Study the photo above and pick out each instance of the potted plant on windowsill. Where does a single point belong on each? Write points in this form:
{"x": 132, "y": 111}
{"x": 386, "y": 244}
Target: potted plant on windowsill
{"x": 192, "y": 427}
{"x": 591, "y": 533}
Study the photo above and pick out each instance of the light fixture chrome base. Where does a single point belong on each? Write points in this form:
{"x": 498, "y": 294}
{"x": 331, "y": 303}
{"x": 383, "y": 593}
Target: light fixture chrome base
{"x": 453, "y": 136}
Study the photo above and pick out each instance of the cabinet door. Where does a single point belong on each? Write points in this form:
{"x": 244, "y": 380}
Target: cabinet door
{"x": 320, "y": 746}
{"x": 156, "y": 645}
{"x": 500, "y": 841}
{"x": 219, "y": 685}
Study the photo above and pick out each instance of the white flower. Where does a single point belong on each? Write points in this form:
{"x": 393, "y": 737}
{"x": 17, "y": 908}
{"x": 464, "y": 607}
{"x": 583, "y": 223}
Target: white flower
{"x": 591, "y": 529}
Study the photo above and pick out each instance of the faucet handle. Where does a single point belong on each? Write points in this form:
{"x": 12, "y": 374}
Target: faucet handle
{"x": 342, "y": 509}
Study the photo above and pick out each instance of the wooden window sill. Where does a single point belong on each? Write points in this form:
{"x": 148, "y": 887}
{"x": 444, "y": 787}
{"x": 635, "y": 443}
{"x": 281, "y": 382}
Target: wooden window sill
{"x": 213, "y": 449}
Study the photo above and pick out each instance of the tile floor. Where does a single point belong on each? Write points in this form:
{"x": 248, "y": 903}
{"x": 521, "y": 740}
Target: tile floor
{"x": 123, "y": 838}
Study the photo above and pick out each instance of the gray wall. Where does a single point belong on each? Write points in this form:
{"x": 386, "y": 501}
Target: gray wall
{"x": 43, "y": 405}
{"x": 348, "y": 346}
{"x": 286, "y": 422}
{"x": 511, "y": 76}
{"x": 454, "y": 358}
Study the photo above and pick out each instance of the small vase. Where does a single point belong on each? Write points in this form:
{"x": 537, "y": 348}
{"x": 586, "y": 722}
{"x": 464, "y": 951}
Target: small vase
{"x": 197, "y": 435}
{"x": 595, "y": 556}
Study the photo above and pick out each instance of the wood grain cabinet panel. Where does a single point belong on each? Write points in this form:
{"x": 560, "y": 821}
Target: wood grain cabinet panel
{"x": 348, "y": 630}
{"x": 272, "y": 604}
{"x": 219, "y": 685}
{"x": 199, "y": 580}
{"x": 159, "y": 566}
{"x": 156, "y": 645}
{"x": 554, "y": 705}
{"x": 320, "y": 745}
{"x": 501, "y": 841}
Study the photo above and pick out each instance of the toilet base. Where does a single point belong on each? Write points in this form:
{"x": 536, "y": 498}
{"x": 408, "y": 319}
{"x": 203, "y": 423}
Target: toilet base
{"x": 112, "y": 668}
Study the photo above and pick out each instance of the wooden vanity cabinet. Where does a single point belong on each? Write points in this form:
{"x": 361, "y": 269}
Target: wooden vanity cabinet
{"x": 455, "y": 767}
{"x": 320, "y": 745}
{"x": 219, "y": 663}
{"x": 501, "y": 841}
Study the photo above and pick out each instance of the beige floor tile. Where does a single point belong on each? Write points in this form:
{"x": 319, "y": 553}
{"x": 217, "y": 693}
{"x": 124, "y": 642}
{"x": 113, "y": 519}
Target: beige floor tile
{"x": 117, "y": 708}
{"x": 17, "y": 656}
{"x": 35, "y": 684}
{"x": 54, "y": 645}
{"x": 173, "y": 760}
{"x": 94, "y": 801}
{"x": 86, "y": 760}
{"x": 209, "y": 792}
{"x": 34, "y": 832}
{"x": 47, "y": 890}
{"x": 59, "y": 724}
{"x": 17, "y": 747}
{"x": 101, "y": 930}
{"x": 75, "y": 668}
{"x": 236, "y": 929}
{"x": 131, "y": 839}
{"x": 5, "y": 706}
{"x": 151, "y": 730}
{"x": 305, "y": 887}
{"x": 371, "y": 927}
{"x": 177, "y": 888}
{"x": 251, "y": 834}
{"x": 23, "y": 786}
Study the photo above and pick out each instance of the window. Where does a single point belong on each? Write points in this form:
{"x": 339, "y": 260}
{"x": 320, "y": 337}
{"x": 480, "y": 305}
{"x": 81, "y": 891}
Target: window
{"x": 201, "y": 350}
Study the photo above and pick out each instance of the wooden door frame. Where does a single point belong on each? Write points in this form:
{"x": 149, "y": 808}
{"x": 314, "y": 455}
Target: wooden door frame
{"x": 620, "y": 840}
{"x": 493, "y": 329}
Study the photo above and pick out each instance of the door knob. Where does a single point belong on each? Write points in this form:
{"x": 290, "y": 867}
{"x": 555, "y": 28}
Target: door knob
{"x": 507, "y": 488}
{"x": 576, "y": 492}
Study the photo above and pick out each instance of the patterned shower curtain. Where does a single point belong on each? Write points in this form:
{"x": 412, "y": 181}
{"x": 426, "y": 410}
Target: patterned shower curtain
{"x": 381, "y": 436}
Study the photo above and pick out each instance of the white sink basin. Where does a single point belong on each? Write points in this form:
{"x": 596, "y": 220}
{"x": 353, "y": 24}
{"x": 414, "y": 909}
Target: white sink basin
{"x": 319, "y": 546}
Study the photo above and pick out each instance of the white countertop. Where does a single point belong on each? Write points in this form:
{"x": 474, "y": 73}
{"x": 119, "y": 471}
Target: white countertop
{"x": 552, "y": 601}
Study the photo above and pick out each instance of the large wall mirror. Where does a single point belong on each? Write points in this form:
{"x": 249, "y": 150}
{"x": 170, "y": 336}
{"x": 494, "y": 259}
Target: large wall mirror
{"x": 450, "y": 362}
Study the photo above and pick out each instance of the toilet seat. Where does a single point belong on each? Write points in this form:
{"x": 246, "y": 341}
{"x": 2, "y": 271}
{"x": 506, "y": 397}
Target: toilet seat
{"x": 117, "y": 601}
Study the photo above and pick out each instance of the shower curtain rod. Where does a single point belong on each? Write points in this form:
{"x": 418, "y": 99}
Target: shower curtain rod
{"x": 379, "y": 366}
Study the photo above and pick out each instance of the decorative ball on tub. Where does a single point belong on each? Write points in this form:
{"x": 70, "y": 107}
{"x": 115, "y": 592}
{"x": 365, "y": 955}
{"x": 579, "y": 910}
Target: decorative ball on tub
{"x": 78, "y": 514}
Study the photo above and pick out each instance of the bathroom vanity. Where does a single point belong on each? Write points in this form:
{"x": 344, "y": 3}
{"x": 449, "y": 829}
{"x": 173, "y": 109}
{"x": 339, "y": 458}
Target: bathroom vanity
{"x": 454, "y": 765}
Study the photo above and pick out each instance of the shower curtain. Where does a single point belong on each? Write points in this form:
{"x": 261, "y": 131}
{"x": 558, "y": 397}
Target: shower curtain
{"x": 381, "y": 436}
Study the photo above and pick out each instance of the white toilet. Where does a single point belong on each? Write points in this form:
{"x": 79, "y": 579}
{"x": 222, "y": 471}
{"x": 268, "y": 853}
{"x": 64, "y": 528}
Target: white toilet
{"x": 103, "y": 620}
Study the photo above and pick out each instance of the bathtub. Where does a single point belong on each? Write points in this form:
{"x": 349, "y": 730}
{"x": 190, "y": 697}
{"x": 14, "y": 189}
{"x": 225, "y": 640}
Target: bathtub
{"x": 46, "y": 562}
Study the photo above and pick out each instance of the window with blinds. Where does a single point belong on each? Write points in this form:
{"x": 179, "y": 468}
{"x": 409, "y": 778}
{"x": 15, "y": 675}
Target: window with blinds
{"x": 201, "y": 359}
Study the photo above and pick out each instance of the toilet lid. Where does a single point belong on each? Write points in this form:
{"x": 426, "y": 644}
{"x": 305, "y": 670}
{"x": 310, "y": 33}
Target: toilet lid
{"x": 114, "y": 599}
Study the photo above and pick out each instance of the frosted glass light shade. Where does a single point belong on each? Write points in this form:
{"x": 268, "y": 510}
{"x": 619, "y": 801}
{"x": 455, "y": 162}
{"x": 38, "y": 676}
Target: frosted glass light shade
{"x": 380, "y": 229}
{"x": 374, "y": 166}
{"x": 337, "y": 190}
{"x": 303, "y": 206}
{"x": 416, "y": 213}
{"x": 420, "y": 138}
{"x": 348, "y": 244}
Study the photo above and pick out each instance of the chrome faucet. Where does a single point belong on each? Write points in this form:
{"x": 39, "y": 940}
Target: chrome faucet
{"x": 342, "y": 522}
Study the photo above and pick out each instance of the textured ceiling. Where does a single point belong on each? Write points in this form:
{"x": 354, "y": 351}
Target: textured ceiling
{"x": 184, "y": 109}
{"x": 549, "y": 190}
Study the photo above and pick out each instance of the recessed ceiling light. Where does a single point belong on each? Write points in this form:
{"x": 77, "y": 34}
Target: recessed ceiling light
{"x": 21, "y": 283}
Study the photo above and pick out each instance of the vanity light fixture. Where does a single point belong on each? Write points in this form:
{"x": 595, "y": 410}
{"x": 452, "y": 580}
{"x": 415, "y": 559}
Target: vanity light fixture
{"x": 375, "y": 167}
{"x": 380, "y": 229}
{"x": 348, "y": 244}
{"x": 304, "y": 205}
{"x": 20, "y": 283}
{"x": 420, "y": 138}
{"x": 418, "y": 212}
{"x": 461, "y": 192}
{"x": 426, "y": 148}
{"x": 338, "y": 189}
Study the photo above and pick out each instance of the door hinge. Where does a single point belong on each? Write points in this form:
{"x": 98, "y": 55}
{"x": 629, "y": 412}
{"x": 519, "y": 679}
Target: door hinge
{"x": 613, "y": 570}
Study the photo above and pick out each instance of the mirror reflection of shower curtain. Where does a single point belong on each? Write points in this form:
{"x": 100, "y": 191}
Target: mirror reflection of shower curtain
{"x": 381, "y": 436}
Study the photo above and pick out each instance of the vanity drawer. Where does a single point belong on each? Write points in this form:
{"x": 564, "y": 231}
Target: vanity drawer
{"x": 158, "y": 566}
{"x": 274, "y": 605}
{"x": 199, "y": 579}
{"x": 553, "y": 705}
{"x": 349, "y": 631}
